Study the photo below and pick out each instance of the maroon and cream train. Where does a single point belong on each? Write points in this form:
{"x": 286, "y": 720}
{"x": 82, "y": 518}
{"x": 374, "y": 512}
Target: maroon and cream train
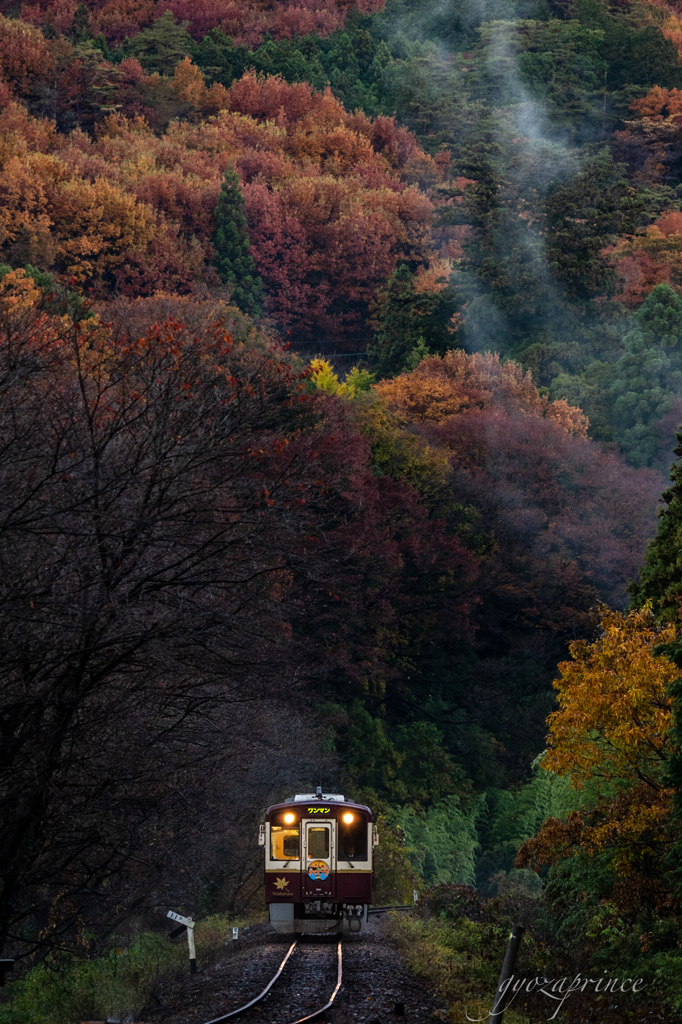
{"x": 318, "y": 863}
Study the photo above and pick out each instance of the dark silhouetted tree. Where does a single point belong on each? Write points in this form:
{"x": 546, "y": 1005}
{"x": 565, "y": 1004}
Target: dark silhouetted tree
{"x": 408, "y": 322}
{"x": 81, "y": 28}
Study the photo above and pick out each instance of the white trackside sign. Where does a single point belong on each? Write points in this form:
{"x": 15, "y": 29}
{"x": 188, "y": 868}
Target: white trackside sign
{"x": 187, "y": 921}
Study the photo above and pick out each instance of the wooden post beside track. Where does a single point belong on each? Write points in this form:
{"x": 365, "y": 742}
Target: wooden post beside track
{"x": 186, "y": 923}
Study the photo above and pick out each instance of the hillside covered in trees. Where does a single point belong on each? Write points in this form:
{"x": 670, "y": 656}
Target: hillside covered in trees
{"x": 341, "y": 370}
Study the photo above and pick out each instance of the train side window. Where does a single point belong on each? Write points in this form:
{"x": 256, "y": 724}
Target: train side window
{"x": 353, "y": 839}
{"x": 318, "y": 842}
{"x": 284, "y": 843}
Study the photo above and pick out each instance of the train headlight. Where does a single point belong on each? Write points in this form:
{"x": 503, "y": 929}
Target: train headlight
{"x": 348, "y": 818}
{"x": 290, "y": 818}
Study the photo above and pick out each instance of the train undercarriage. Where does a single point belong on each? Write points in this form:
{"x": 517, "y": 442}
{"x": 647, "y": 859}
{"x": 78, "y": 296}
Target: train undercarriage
{"x": 318, "y": 917}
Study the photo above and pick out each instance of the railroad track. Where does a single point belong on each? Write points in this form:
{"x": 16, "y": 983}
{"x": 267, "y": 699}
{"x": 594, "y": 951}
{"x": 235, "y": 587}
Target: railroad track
{"x": 281, "y": 1015}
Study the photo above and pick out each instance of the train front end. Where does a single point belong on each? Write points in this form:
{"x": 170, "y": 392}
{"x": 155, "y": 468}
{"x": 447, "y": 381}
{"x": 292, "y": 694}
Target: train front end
{"x": 318, "y": 863}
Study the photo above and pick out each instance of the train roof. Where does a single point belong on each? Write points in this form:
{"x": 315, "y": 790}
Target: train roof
{"x": 335, "y": 799}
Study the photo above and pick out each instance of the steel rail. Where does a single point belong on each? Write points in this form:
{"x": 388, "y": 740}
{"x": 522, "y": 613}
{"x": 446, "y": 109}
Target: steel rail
{"x": 240, "y": 1009}
{"x": 339, "y": 978}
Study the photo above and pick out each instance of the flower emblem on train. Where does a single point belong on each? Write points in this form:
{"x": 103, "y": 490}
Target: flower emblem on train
{"x": 318, "y": 870}
{"x": 281, "y": 883}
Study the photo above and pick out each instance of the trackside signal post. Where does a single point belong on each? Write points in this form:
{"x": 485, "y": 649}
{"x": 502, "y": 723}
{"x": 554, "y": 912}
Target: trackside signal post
{"x": 185, "y": 923}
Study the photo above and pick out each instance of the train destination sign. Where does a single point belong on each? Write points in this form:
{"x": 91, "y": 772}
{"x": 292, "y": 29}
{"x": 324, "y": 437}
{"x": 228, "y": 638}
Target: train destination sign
{"x": 319, "y": 810}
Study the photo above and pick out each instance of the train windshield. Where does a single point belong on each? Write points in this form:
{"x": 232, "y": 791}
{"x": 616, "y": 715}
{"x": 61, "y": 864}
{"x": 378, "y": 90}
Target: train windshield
{"x": 284, "y": 843}
{"x": 318, "y": 842}
{"x": 352, "y": 838}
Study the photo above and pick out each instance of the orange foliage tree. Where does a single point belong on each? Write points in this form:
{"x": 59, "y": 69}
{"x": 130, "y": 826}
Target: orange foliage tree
{"x": 650, "y": 143}
{"x": 659, "y": 103}
{"x": 24, "y": 55}
{"x": 190, "y": 88}
{"x": 439, "y": 388}
{"x": 652, "y": 258}
{"x": 613, "y": 727}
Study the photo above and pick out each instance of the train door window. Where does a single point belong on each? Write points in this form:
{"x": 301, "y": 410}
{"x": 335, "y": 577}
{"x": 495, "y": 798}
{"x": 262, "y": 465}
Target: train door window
{"x": 352, "y": 837}
{"x": 284, "y": 843}
{"x": 318, "y": 842}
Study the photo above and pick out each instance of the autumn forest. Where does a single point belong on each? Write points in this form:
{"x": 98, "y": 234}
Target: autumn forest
{"x": 341, "y": 382}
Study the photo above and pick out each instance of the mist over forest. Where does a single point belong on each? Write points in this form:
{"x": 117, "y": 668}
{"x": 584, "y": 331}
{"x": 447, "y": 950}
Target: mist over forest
{"x": 340, "y": 385}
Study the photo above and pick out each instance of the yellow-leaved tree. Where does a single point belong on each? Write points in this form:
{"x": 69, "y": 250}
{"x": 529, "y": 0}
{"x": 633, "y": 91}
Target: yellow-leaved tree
{"x": 613, "y": 727}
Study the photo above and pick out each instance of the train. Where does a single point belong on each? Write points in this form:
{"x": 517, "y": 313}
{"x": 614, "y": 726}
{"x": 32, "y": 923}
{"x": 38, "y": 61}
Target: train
{"x": 319, "y": 856}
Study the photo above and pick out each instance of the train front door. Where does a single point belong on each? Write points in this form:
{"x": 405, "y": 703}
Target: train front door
{"x": 319, "y": 859}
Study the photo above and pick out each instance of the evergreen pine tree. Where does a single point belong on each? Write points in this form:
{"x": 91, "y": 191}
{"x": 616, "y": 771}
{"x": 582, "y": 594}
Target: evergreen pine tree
{"x": 162, "y": 46}
{"x": 406, "y": 320}
{"x": 233, "y": 259}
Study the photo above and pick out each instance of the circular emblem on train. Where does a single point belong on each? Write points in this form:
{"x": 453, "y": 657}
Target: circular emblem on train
{"x": 318, "y": 870}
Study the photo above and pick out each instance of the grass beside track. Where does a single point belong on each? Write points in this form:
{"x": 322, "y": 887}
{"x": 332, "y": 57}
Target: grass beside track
{"x": 119, "y": 984}
{"x": 461, "y": 959}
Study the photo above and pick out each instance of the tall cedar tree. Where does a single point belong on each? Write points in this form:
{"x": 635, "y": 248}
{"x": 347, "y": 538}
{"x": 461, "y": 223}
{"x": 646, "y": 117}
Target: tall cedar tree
{"x": 661, "y": 583}
{"x": 233, "y": 260}
{"x": 584, "y": 217}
